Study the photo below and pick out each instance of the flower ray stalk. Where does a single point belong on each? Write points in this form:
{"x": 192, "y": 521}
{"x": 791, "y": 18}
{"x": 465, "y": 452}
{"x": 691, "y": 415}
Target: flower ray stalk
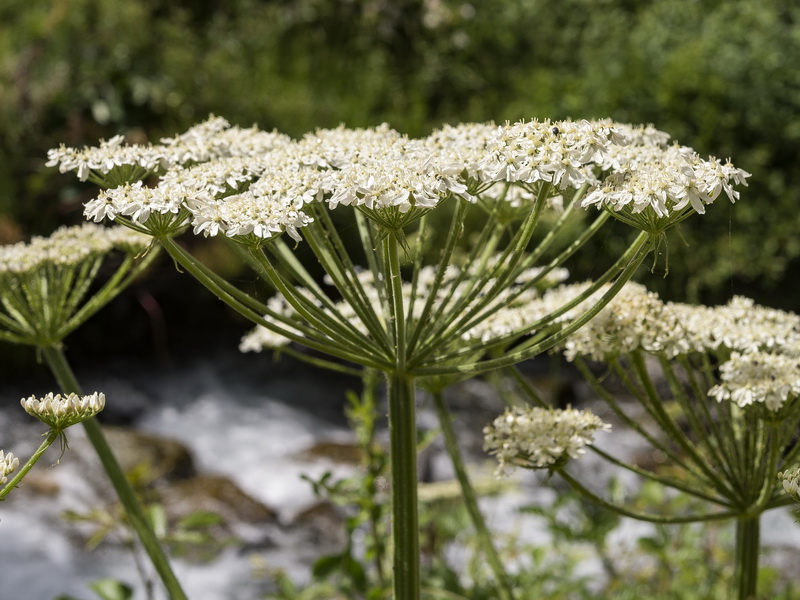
{"x": 369, "y": 244}
{"x": 622, "y": 414}
{"x": 243, "y": 304}
{"x": 531, "y": 394}
{"x": 650, "y": 518}
{"x": 52, "y": 436}
{"x": 445, "y": 329}
{"x": 416, "y": 261}
{"x": 724, "y": 430}
{"x": 288, "y": 260}
{"x": 138, "y": 520}
{"x": 540, "y": 340}
{"x": 466, "y": 349}
{"x": 707, "y": 434}
{"x": 454, "y": 233}
{"x": 634, "y": 257}
{"x": 345, "y": 334}
{"x": 328, "y": 248}
{"x": 654, "y": 406}
{"x": 124, "y": 275}
{"x": 504, "y": 588}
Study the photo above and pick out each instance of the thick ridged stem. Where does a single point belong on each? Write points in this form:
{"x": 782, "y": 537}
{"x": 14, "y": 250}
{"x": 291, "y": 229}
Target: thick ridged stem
{"x": 402, "y": 440}
{"x": 747, "y": 546}
{"x": 403, "y": 453}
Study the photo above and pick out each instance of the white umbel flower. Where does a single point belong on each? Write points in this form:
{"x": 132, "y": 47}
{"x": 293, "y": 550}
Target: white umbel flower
{"x": 60, "y": 412}
{"x": 8, "y": 464}
{"x": 758, "y": 378}
{"x": 538, "y": 438}
{"x": 68, "y": 246}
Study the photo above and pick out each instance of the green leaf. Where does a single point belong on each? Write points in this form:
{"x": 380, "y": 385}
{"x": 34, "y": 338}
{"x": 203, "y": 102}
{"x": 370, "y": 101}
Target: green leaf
{"x": 111, "y": 589}
{"x": 650, "y": 544}
{"x": 326, "y": 565}
{"x": 158, "y": 519}
{"x": 200, "y": 520}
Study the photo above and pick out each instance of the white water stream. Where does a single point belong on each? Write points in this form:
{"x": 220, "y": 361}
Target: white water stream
{"x": 253, "y": 429}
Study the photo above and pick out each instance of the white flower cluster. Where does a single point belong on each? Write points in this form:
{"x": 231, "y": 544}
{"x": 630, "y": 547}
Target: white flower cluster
{"x": 8, "y": 464}
{"x": 667, "y": 180}
{"x": 522, "y": 291}
{"x": 741, "y": 325}
{"x": 761, "y": 346}
{"x": 59, "y": 412}
{"x": 537, "y": 438}
{"x": 236, "y": 181}
{"x": 758, "y": 378}
{"x": 209, "y": 140}
{"x": 791, "y": 482}
{"x": 637, "y": 319}
{"x": 68, "y": 246}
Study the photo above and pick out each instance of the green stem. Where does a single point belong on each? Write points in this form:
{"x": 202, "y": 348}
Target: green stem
{"x": 584, "y": 491}
{"x": 654, "y": 405}
{"x": 246, "y": 306}
{"x": 634, "y": 257}
{"x": 66, "y": 380}
{"x": 52, "y": 436}
{"x": 318, "y": 361}
{"x": 673, "y": 482}
{"x": 402, "y": 441}
{"x": 403, "y": 455}
{"x": 747, "y": 547}
{"x": 470, "y": 501}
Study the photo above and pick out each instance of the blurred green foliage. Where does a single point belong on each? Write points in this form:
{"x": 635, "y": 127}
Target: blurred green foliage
{"x": 720, "y": 76}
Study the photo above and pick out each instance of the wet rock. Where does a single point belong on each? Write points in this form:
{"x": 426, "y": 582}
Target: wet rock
{"x": 149, "y": 458}
{"x": 338, "y": 452}
{"x": 216, "y": 494}
{"x": 321, "y": 523}
{"x": 40, "y": 484}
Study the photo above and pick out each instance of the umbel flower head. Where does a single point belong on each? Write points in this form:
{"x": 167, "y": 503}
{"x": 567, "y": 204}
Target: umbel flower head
{"x": 59, "y": 412}
{"x": 254, "y": 185}
{"x": 67, "y": 247}
{"x": 43, "y": 283}
{"x": 538, "y": 438}
{"x": 758, "y": 378}
{"x": 8, "y": 464}
{"x": 791, "y": 482}
{"x": 637, "y": 319}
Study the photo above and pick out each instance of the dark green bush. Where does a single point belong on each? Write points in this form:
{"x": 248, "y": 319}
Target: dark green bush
{"x": 718, "y": 75}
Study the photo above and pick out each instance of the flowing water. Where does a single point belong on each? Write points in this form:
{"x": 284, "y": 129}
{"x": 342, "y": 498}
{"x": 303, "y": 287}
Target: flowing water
{"x": 251, "y": 422}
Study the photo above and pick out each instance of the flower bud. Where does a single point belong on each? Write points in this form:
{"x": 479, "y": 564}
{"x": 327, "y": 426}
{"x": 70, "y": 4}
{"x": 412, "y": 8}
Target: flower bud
{"x": 8, "y": 464}
{"x": 59, "y": 412}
